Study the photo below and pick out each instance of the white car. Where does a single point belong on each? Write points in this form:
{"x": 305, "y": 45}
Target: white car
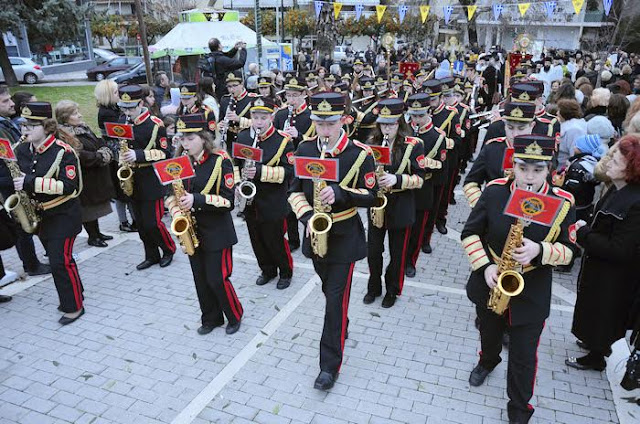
{"x": 339, "y": 53}
{"x": 26, "y": 70}
{"x": 103, "y": 55}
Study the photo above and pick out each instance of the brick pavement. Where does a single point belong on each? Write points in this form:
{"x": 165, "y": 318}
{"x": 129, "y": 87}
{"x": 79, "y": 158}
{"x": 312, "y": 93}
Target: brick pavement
{"x": 135, "y": 356}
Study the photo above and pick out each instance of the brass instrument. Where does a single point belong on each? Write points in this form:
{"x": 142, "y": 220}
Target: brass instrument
{"x": 320, "y": 222}
{"x": 246, "y": 188}
{"x": 377, "y": 211}
{"x": 22, "y": 207}
{"x": 510, "y": 281}
{"x": 125, "y": 172}
{"x": 183, "y": 222}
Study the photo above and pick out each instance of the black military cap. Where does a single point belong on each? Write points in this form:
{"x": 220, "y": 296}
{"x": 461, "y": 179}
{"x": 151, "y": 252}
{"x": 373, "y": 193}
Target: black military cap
{"x": 341, "y": 87}
{"x": 346, "y": 77}
{"x": 188, "y": 90}
{"x": 37, "y": 111}
{"x": 538, "y": 84}
{"x": 446, "y": 85}
{"x": 358, "y": 61}
{"x": 533, "y": 148}
{"x": 265, "y": 82}
{"x": 418, "y": 104}
{"x": 331, "y": 77}
{"x": 397, "y": 77}
{"x": 293, "y": 82}
{"x": 366, "y": 83}
{"x": 327, "y": 106}
{"x": 519, "y": 111}
{"x": 263, "y": 104}
{"x": 311, "y": 76}
{"x": 389, "y": 111}
{"x": 470, "y": 64}
{"x": 524, "y": 92}
{"x": 234, "y": 76}
{"x": 432, "y": 87}
{"x": 380, "y": 80}
{"x": 130, "y": 95}
{"x": 191, "y": 123}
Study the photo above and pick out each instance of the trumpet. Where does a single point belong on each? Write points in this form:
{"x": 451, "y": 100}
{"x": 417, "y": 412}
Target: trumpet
{"x": 23, "y": 208}
{"x": 377, "y": 211}
{"x": 320, "y": 222}
{"x": 125, "y": 172}
{"x": 183, "y": 222}
{"x": 247, "y": 189}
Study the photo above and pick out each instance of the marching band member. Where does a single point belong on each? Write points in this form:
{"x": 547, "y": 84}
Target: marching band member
{"x": 488, "y": 239}
{"x": 346, "y": 237}
{"x": 398, "y": 182}
{"x": 149, "y": 145}
{"x": 52, "y": 177}
{"x": 234, "y": 108}
{"x": 365, "y": 117}
{"x": 266, "y": 213}
{"x": 209, "y": 195}
{"x": 267, "y": 90}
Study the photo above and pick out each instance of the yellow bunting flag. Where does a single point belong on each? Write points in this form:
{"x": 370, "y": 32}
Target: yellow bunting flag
{"x": 380, "y": 11}
{"x": 577, "y": 5}
{"x": 424, "y": 12}
{"x": 337, "y": 7}
{"x": 470, "y": 12}
{"x": 523, "y": 7}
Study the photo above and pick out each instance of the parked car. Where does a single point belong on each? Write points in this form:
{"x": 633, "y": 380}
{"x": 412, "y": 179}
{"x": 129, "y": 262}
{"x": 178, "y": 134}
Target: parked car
{"x": 135, "y": 75}
{"x": 339, "y": 53}
{"x": 100, "y": 72}
{"x": 103, "y": 55}
{"x": 26, "y": 70}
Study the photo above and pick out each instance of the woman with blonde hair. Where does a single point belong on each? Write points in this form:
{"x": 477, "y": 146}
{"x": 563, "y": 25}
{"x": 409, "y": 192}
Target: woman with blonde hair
{"x": 598, "y": 103}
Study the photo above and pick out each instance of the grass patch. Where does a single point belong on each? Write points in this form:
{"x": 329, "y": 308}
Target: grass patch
{"x": 81, "y": 94}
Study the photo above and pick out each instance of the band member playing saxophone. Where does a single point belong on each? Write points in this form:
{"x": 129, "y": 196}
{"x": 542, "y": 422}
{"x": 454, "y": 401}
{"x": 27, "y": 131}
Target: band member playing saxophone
{"x": 267, "y": 210}
{"x": 545, "y": 239}
{"x": 399, "y": 180}
{"x": 210, "y": 195}
{"x": 339, "y": 240}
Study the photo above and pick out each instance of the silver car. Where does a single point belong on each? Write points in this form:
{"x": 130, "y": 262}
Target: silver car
{"x": 26, "y": 70}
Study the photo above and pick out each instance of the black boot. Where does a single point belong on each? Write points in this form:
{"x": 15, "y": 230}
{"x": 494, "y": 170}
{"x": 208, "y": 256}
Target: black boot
{"x": 631, "y": 379}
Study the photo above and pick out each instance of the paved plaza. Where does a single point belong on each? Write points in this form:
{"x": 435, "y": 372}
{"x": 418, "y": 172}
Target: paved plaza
{"x": 135, "y": 356}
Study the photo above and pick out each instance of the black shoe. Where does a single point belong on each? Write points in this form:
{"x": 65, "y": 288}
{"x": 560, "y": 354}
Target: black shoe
{"x": 478, "y": 375}
{"x": 67, "y": 320}
{"x": 264, "y": 279}
{"x": 452, "y": 201}
{"x": 40, "y": 269}
{"x": 146, "y": 264}
{"x": 294, "y": 246}
{"x": 565, "y": 269}
{"x": 232, "y": 328}
{"x": 105, "y": 237}
{"x": 5, "y": 298}
{"x": 127, "y": 228}
{"x": 389, "y": 300}
{"x": 96, "y": 242}
{"x": 426, "y": 248}
{"x": 325, "y": 380}
{"x": 206, "y": 329}
{"x": 586, "y": 363}
{"x": 477, "y": 323}
{"x": 441, "y": 227}
{"x": 369, "y": 298}
{"x": 283, "y": 283}
{"x": 166, "y": 260}
{"x": 582, "y": 345}
{"x": 410, "y": 271}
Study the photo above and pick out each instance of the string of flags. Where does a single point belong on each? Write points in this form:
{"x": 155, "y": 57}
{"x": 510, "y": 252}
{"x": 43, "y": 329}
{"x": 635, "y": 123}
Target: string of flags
{"x": 549, "y": 6}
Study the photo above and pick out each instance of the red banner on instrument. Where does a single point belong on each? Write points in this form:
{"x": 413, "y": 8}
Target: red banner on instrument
{"x": 534, "y": 207}
{"x": 309, "y": 168}
{"x": 242, "y": 151}
{"x": 6, "y": 152}
{"x": 381, "y": 154}
{"x": 116, "y": 130}
{"x": 173, "y": 169}
{"x": 409, "y": 69}
{"x": 507, "y": 160}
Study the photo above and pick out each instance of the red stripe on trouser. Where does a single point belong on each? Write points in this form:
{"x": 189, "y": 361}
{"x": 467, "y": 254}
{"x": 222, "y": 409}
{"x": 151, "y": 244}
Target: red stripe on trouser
{"x": 74, "y": 266}
{"x": 166, "y": 237}
{"x": 345, "y": 311}
{"x": 535, "y": 372}
{"x": 228, "y": 288}
{"x": 407, "y": 232}
{"x": 73, "y": 276}
{"x": 233, "y": 290}
{"x": 287, "y": 249}
{"x": 414, "y": 256}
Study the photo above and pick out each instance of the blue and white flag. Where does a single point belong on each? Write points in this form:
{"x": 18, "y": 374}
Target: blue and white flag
{"x": 497, "y": 10}
{"x": 447, "y": 14}
{"x": 458, "y": 67}
{"x": 550, "y": 6}
{"x": 359, "y": 9}
{"x": 318, "y": 6}
{"x": 402, "y": 11}
{"x": 607, "y": 6}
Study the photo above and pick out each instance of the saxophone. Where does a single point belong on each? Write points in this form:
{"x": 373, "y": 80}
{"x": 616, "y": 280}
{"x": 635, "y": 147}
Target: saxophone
{"x": 183, "y": 222}
{"x": 377, "y": 211}
{"x": 510, "y": 281}
{"x": 246, "y": 188}
{"x": 125, "y": 171}
{"x": 22, "y": 207}
{"x": 320, "y": 222}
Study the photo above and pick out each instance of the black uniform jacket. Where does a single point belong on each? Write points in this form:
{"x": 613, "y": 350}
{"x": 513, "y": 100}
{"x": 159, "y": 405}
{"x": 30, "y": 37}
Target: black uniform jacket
{"x": 545, "y": 124}
{"x": 365, "y": 122}
{"x": 151, "y": 145}
{"x": 435, "y": 145}
{"x": 409, "y": 167}
{"x": 241, "y": 104}
{"x": 54, "y": 179}
{"x": 272, "y": 174}
{"x": 357, "y": 188}
{"x": 483, "y": 239}
{"x": 447, "y": 119}
{"x": 301, "y": 118}
{"x": 213, "y": 197}
{"x": 488, "y": 166}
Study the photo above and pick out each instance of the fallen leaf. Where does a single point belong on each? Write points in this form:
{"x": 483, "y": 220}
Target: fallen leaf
{"x": 185, "y": 326}
{"x": 276, "y": 409}
{"x": 194, "y": 356}
{"x": 295, "y": 336}
{"x": 56, "y": 363}
{"x": 110, "y": 338}
{"x": 276, "y": 307}
{"x": 86, "y": 376}
{"x": 375, "y": 314}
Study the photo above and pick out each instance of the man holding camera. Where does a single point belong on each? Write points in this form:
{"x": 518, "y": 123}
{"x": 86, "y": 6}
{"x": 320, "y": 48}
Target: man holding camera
{"x": 219, "y": 63}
